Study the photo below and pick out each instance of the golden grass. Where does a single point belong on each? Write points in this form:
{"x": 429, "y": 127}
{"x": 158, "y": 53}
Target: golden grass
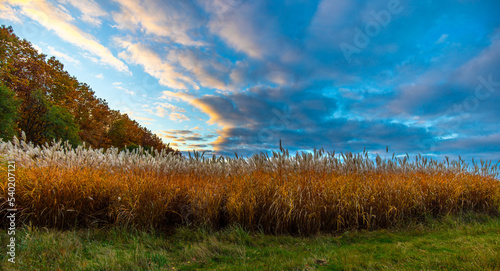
{"x": 57, "y": 186}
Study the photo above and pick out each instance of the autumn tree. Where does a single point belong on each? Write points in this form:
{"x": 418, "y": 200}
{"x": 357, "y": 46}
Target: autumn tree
{"x": 52, "y": 104}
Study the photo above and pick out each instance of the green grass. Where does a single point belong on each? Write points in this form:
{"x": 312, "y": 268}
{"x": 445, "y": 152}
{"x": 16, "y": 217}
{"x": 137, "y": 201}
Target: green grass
{"x": 470, "y": 242}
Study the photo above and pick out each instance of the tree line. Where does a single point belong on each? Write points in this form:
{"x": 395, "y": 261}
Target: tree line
{"x": 39, "y": 97}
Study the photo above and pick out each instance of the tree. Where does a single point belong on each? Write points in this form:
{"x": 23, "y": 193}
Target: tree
{"x": 43, "y": 122}
{"x": 32, "y": 110}
{"x": 8, "y": 113}
{"x": 60, "y": 124}
{"x": 54, "y": 105}
{"x": 117, "y": 134}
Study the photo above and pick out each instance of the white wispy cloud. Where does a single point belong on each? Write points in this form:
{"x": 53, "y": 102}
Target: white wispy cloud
{"x": 442, "y": 38}
{"x": 8, "y": 13}
{"x": 37, "y": 48}
{"x": 137, "y": 116}
{"x": 124, "y": 90}
{"x": 58, "y": 20}
{"x": 166, "y": 109}
{"x": 170, "y": 19}
{"x": 62, "y": 56}
{"x": 91, "y": 10}
{"x": 178, "y": 117}
{"x": 170, "y": 107}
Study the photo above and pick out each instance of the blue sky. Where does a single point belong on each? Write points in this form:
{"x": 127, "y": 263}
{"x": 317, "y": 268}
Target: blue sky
{"x": 237, "y": 76}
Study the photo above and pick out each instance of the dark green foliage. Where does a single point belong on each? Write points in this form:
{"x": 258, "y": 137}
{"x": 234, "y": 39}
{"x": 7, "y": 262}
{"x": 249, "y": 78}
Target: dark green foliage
{"x": 8, "y": 113}
{"x": 60, "y": 124}
{"x": 117, "y": 134}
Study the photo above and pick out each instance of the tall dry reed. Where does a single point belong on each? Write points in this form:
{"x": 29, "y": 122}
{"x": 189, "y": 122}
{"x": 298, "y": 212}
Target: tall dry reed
{"x": 59, "y": 186}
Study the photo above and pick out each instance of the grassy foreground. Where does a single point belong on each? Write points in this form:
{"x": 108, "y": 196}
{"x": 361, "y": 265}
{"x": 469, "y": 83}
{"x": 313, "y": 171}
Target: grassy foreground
{"x": 469, "y": 242}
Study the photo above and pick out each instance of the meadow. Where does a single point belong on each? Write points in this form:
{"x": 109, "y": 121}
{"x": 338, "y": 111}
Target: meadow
{"x": 61, "y": 187}
{"x": 463, "y": 242}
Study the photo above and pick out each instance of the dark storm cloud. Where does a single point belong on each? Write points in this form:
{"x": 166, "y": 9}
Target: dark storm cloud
{"x": 302, "y": 119}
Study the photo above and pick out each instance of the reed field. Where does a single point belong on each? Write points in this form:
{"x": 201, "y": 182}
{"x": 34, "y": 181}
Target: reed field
{"x": 58, "y": 186}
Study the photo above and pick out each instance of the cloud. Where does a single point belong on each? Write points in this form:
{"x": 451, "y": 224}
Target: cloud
{"x": 172, "y": 19}
{"x": 178, "y": 132}
{"x": 39, "y": 50}
{"x": 303, "y": 118}
{"x": 199, "y": 147}
{"x": 168, "y": 137}
{"x": 169, "y": 107}
{"x": 177, "y": 117}
{"x": 8, "y": 13}
{"x": 486, "y": 147}
{"x": 100, "y": 76}
{"x": 210, "y": 70}
{"x": 195, "y": 137}
{"x": 143, "y": 118}
{"x": 136, "y": 116}
{"x": 91, "y": 10}
{"x": 124, "y": 89}
{"x": 451, "y": 91}
{"x": 154, "y": 65}
{"x": 184, "y": 136}
{"x": 166, "y": 109}
{"x": 62, "y": 56}
{"x": 253, "y": 27}
{"x": 54, "y": 18}
{"x": 336, "y": 134}
{"x": 330, "y": 19}
{"x": 176, "y": 56}
{"x": 184, "y": 68}
{"x": 238, "y": 26}
{"x": 442, "y": 39}
{"x": 487, "y": 61}
{"x": 207, "y": 108}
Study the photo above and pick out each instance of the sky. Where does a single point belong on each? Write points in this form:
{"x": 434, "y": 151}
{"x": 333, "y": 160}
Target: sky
{"x": 226, "y": 76}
